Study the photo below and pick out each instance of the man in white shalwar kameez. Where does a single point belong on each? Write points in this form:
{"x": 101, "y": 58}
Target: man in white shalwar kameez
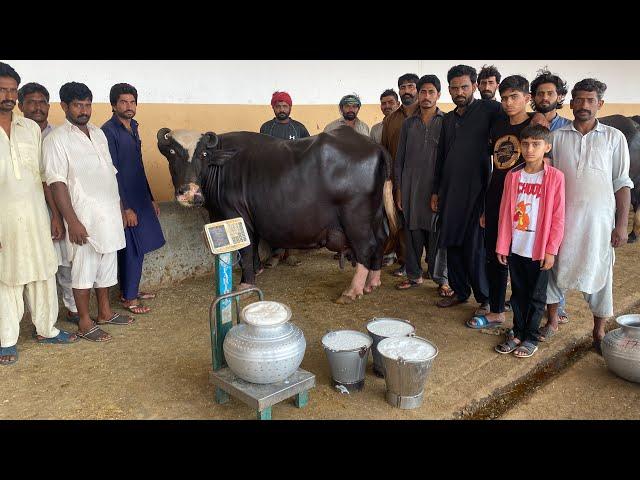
{"x": 28, "y": 262}
{"x": 595, "y": 161}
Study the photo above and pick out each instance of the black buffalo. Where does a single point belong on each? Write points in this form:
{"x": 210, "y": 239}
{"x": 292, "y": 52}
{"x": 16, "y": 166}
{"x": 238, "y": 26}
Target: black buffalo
{"x": 631, "y": 129}
{"x": 321, "y": 191}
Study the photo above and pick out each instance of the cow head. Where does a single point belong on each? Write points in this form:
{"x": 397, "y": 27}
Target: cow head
{"x": 188, "y": 153}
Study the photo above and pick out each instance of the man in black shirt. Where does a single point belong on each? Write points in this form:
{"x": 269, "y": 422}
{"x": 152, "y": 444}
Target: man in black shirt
{"x": 283, "y": 126}
{"x": 505, "y": 146}
{"x": 286, "y": 128}
{"x": 461, "y": 177}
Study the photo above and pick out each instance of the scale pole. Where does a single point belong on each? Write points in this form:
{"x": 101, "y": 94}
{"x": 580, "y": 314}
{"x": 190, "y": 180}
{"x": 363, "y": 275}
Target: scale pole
{"x": 224, "y": 284}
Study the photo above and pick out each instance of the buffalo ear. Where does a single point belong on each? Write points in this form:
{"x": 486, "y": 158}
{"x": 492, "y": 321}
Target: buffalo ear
{"x": 211, "y": 140}
{"x": 163, "y": 136}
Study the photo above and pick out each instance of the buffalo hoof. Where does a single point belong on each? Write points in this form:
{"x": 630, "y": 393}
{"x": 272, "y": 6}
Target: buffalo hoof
{"x": 633, "y": 238}
{"x": 346, "y": 299}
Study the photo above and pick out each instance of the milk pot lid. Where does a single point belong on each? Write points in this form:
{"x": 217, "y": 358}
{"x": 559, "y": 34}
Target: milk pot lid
{"x": 412, "y": 349}
{"x": 346, "y": 340}
{"x": 266, "y": 313}
{"x": 390, "y": 327}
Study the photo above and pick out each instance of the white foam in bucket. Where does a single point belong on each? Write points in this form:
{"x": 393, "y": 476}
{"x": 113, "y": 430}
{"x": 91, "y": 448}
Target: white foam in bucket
{"x": 390, "y": 327}
{"x": 346, "y": 340}
{"x": 409, "y": 348}
{"x": 266, "y": 314}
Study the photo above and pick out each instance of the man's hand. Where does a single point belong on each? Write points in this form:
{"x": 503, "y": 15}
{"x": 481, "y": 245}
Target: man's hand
{"x": 434, "y": 202}
{"x": 547, "y": 262}
{"x": 619, "y": 236}
{"x": 156, "y": 208}
{"x": 482, "y": 224}
{"x": 131, "y": 218}
{"x": 77, "y": 233}
{"x": 539, "y": 119}
{"x": 502, "y": 258}
{"x": 57, "y": 228}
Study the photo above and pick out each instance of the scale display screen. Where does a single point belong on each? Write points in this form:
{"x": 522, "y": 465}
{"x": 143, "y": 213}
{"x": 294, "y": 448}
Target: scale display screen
{"x": 226, "y": 236}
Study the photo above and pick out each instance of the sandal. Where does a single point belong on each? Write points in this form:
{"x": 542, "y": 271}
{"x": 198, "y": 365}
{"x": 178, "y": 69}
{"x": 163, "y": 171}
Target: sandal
{"x": 525, "y": 350}
{"x": 445, "y": 290}
{"x": 96, "y": 334}
{"x": 9, "y": 351}
{"x": 507, "y": 346}
{"x": 481, "y": 321}
{"x": 449, "y": 302}
{"x": 61, "y": 338}
{"x": 546, "y": 333}
{"x": 73, "y": 317}
{"x": 407, "y": 284}
{"x": 483, "y": 309}
{"x": 137, "y": 308}
{"x": 117, "y": 319}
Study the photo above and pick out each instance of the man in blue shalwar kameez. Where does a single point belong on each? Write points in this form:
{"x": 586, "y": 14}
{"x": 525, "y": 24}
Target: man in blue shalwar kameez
{"x": 143, "y": 232}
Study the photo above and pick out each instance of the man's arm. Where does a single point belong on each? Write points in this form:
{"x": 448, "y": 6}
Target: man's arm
{"x": 437, "y": 173}
{"x": 622, "y": 185}
{"x": 77, "y": 233}
{"x": 57, "y": 226}
{"x": 398, "y": 164}
{"x": 130, "y": 219}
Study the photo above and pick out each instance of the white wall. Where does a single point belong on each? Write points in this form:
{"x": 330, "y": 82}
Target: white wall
{"x": 308, "y": 81}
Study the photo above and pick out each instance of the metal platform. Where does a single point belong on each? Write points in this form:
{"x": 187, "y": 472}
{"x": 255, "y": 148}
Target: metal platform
{"x": 262, "y": 397}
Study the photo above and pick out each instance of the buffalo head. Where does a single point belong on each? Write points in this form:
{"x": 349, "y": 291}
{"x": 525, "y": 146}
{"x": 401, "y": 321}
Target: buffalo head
{"x": 188, "y": 153}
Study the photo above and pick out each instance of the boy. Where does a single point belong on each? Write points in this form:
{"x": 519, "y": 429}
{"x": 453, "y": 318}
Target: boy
{"x": 531, "y": 227}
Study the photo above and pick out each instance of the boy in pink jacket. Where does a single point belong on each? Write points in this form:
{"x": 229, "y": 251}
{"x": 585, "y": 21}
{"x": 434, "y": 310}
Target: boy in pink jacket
{"x": 530, "y": 231}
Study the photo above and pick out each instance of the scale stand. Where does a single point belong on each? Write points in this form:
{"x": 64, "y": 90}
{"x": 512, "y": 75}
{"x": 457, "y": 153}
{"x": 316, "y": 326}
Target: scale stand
{"x": 224, "y": 237}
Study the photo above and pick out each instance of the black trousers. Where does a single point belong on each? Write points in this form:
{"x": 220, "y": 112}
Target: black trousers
{"x": 497, "y": 274}
{"x": 467, "y": 264}
{"x": 415, "y": 240}
{"x": 529, "y": 296}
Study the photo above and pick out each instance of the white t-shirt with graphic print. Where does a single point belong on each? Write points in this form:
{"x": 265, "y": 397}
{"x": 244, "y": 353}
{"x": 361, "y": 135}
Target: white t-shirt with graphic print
{"x": 526, "y": 213}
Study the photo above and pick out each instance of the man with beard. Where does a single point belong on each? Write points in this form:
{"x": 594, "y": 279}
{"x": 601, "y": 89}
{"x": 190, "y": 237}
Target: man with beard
{"x": 595, "y": 161}
{"x": 33, "y": 102}
{"x": 282, "y": 125}
{"x": 27, "y": 258}
{"x": 143, "y": 232}
{"x": 460, "y": 182}
{"x": 547, "y": 94}
{"x": 413, "y": 176}
{"x": 388, "y": 104}
{"x": 507, "y": 155}
{"x": 349, "y": 107}
{"x": 81, "y": 174}
{"x": 488, "y": 81}
{"x": 391, "y": 127}
{"x": 286, "y": 128}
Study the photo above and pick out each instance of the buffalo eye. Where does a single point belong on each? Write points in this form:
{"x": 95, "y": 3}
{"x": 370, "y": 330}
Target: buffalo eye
{"x": 172, "y": 151}
{"x": 204, "y": 154}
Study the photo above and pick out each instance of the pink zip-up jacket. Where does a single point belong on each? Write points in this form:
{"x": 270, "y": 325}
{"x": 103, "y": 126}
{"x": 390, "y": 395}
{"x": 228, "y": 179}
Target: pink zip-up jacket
{"x": 550, "y": 221}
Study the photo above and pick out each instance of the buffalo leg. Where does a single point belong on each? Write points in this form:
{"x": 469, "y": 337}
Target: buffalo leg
{"x": 636, "y": 226}
{"x": 373, "y": 278}
{"x": 247, "y": 255}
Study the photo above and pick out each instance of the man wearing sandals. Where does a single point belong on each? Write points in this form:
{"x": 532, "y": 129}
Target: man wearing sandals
{"x": 595, "y": 161}
{"x": 530, "y": 230}
{"x": 28, "y": 261}
{"x": 33, "y": 102}
{"x": 82, "y": 177}
{"x": 143, "y": 232}
{"x": 413, "y": 176}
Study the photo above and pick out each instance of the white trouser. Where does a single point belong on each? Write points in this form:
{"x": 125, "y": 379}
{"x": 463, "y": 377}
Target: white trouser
{"x": 90, "y": 269}
{"x": 64, "y": 280}
{"x": 41, "y": 298}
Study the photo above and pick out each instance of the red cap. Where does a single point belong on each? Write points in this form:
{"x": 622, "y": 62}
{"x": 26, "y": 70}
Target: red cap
{"x": 280, "y": 97}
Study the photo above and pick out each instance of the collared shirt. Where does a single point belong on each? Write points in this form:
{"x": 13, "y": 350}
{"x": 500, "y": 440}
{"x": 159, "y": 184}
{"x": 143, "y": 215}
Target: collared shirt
{"x": 376, "y": 133}
{"x": 359, "y": 126}
{"x": 47, "y": 130}
{"x": 27, "y": 253}
{"x": 292, "y": 130}
{"x": 84, "y": 165}
{"x": 595, "y": 166}
{"x": 558, "y": 122}
{"x": 391, "y": 126}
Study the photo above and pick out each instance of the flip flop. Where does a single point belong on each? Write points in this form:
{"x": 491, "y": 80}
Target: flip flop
{"x": 95, "y": 335}
{"x": 481, "y": 322}
{"x": 445, "y": 291}
{"x": 62, "y": 338}
{"x": 407, "y": 284}
{"x": 117, "y": 319}
{"x": 132, "y": 308}
{"x": 507, "y": 346}
{"x": 12, "y": 350}
{"x": 447, "y": 302}
{"x": 546, "y": 333}
{"x": 146, "y": 296}
{"x": 526, "y": 349}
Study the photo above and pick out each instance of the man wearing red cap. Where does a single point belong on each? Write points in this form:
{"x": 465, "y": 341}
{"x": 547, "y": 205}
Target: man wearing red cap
{"x": 283, "y": 126}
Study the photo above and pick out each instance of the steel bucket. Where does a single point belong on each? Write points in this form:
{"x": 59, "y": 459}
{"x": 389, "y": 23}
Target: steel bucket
{"x": 347, "y": 366}
{"x": 405, "y": 379}
{"x": 378, "y": 366}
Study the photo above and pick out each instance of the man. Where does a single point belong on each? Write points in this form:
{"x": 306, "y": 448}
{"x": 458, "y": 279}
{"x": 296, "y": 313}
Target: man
{"x": 27, "y": 258}
{"x": 286, "y": 128}
{"x": 282, "y": 125}
{"x": 391, "y": 127}
{"x": 33, "y": 102}
{"x": 143, "y": 233}
{"x": 488, "y": 81}
{"x": 413, "y": 176}
{"x": 595, "y": 161}
{"x": 388, "y": 104}
{"x": 547, "y": 94}
{"x": 349, "y": 107}
{"x": 81, "y": 174}
{"x": 460, "y": 182}
{"x": 507, "y": 155}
